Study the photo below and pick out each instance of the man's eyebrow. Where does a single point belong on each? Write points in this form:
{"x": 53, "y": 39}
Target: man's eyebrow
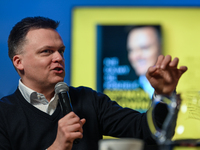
{"x": 52, "y": 47}
{"x": 62, "y": 47}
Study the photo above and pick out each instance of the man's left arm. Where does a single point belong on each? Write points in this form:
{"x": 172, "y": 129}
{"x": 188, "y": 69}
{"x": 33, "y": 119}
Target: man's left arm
{"x": 164, "y": 77}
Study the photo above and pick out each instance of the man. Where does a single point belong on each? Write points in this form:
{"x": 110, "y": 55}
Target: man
{"x": 144, "y": 47}
{"x": 31, "y": 117}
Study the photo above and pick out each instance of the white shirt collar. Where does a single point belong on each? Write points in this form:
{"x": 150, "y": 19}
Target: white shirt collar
{"x": 37, "y": 99}
{"x": 26, "y": 92}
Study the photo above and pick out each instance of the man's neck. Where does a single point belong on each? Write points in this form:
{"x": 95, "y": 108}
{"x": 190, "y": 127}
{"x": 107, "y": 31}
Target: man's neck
{"x": 47, "y": 91}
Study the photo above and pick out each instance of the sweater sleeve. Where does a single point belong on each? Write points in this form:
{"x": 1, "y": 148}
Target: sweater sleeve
{"x": 106, "y": 117}
{"x": 4, "y": 139}
{"x": 4, "y": 144}
{"x": 124, "y": 122}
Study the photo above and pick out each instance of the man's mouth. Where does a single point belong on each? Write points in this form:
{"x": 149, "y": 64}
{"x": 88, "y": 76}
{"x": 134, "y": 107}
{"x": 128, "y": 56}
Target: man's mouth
{"x": 141, "y": 62}
{"x": 58, "y": 69}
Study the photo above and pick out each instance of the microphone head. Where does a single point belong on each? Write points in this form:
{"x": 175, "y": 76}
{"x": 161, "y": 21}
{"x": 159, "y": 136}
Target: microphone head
{"x": 61, "y": 87}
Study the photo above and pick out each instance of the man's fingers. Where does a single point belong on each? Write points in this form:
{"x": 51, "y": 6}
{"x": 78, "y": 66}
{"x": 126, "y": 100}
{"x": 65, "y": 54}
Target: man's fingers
{"x": 174, "y": 63}
{"x": 72, "y": 125}
{"x": 73, "y": 121}
{"x": 77, "y": 135}
{"x": 183, "y": 69}
{"x": 70, "y": 115}
{"x": 150, "y": 71}
{"x": 71, "y": 118}
{"x": 159, "y": 61}
{"x": 73, "y": 128}
{"x": 83, "y": 121}
{"x": 165, "y": 62}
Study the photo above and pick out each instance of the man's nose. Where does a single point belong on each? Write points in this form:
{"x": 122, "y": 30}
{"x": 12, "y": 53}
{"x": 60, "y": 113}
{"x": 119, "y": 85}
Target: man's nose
{"x": 138, "y": 53}
{"x": 57, "y": 57}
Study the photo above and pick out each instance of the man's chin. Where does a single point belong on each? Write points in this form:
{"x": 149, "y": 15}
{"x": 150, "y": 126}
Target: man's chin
{"x": 140, "y": 73}
{"x": 61, "y": 80}
{"x": 58, "y": 80}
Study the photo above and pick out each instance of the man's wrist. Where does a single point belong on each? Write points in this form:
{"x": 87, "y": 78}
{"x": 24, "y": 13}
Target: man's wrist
{"x": 159, "y": 96}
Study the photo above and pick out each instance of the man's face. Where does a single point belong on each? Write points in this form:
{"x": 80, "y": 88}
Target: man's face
{"x": 42, "y": 62}
{"x": 143, "y": 49}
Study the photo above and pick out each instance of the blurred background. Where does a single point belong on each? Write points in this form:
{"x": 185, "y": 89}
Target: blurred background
{"x": 79, "y": 22}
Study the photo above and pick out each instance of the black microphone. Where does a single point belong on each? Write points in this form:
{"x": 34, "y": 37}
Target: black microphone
{"x": 61, "y": 89}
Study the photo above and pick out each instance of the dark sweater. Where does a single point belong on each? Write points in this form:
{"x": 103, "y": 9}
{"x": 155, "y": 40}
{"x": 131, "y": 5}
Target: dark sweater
{"x": 22, "y": 126}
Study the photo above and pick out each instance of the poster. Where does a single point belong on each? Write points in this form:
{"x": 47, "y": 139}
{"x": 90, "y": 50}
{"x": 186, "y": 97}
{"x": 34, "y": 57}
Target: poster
{"x": 124, "y": 53}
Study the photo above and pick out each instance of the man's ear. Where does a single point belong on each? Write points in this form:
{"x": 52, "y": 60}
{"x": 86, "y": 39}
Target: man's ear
{"x": 17, "y": 62}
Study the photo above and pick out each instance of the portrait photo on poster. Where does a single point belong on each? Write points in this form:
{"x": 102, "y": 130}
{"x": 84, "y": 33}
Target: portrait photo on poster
{"x": 124, "y": 54}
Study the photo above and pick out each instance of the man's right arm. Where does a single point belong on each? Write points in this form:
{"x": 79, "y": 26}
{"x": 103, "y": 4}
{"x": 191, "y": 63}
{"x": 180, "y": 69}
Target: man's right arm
{"x": 69, "y": 129}
{"x": 4, "y": 138}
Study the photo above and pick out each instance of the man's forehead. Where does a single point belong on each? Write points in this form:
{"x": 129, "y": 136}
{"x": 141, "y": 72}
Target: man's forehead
{"x": 144, "y": 30}
{"x": 44, "y": 37}
{"x": 143, "y": 35}
{"x": 45, "y": 34}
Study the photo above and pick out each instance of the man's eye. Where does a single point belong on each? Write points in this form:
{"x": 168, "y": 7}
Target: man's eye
{"x": 47, "y": 51}
{"x": 61, "y": 52}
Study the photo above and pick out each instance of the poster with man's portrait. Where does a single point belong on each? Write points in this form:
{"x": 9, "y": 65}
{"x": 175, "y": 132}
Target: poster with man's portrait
{"x": 124, "y": 53}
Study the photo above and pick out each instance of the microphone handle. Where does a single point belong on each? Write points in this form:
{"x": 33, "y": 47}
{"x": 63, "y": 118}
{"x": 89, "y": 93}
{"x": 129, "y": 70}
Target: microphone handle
{"x": 65, "y": 102}
{"x": 66, "y": 106}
